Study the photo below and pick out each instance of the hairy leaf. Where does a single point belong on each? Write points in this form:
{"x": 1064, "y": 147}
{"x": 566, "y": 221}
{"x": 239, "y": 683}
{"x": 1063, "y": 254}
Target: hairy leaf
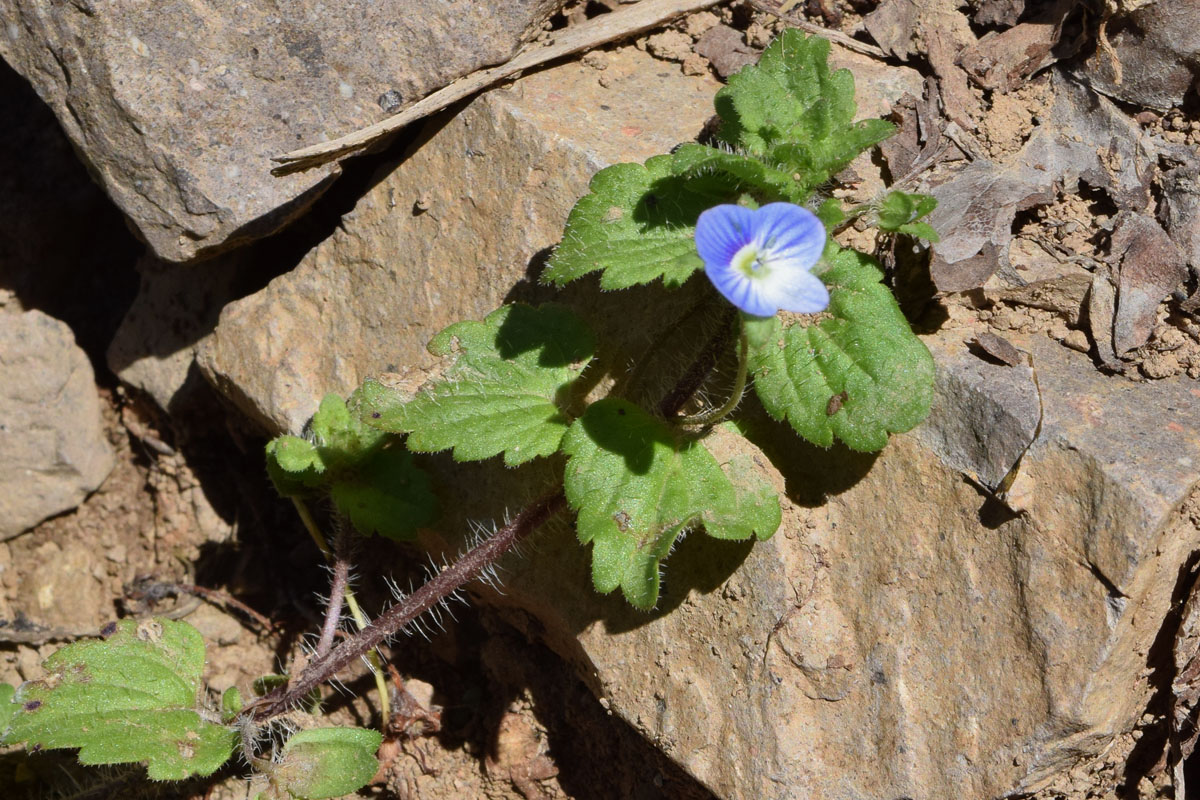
{"x": 133, "y": 697}
{"x": 746, "y": 173}
{"x": 856, "y": 371}
{"x": 637, "y": 225}
{"x": 637, "y": 485}
{"x": 327, "y": 762}
{"x": 371, "y": 479}
{"x": 386, "y": 493}
{"x": 899, "y": 213}
{"x": 792, "y": 111}
{"x": 507, "y": 390}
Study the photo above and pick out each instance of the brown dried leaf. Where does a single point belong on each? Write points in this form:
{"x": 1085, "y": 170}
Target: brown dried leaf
{"x": 1102, "y": 303}
{"x": 1157, "y": 55}
{"x": 726, "y": 49}
{"x": 1085, "y": 137}
{"x": 1004, "y": 61}
{"x": 893, "y": 26}
{"x": 1185, "y": 688}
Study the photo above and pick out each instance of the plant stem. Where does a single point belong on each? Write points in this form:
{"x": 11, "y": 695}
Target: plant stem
{"x": 715, "y": 415}
{"x": 700, "y": 369}
{"x": 337, "y": 597}
{"x": 360, "y": 619}
{"x": 392, "y": 621}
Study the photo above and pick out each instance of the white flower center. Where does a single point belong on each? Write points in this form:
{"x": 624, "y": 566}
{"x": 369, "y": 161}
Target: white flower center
{"x": 751, "y": 262}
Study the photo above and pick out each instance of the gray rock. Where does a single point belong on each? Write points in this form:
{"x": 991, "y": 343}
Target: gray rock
{"x": 177, "y": 109}
{"x": 52, "y": 447}
{"x": 984, "y": 416}
{"x": 900, "y": 635}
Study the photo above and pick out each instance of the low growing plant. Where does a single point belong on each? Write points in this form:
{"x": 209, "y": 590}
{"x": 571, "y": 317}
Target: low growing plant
{"x": 809, "y": 324}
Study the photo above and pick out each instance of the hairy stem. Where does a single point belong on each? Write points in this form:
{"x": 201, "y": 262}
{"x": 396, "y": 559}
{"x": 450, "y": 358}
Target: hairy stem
{"x": 392, "y": 621}
{"x": 337, "y": 597}
{"x": 700, "y": 369}
{"x": 360, "y": 619}
{"x": 715, "y": 415}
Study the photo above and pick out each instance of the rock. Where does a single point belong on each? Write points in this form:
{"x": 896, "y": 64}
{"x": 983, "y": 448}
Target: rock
{"x": 154, "y": 349}
{"x": 60, "y": 591}
{"x": 985, "y": 416}
{"x": 901, "y": 635}
{"x": 178, "y": 113}
{"x": 419, "y": 252}
{"x": 52, "y": 446}
{"x": 877, "y": 87}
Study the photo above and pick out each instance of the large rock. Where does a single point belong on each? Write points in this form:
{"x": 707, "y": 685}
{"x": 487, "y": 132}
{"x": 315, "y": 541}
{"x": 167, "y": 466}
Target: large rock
{"x": 903, "y": 635}
{"x": 52, "y": 446}
{"x": 445, "y": 235}
{"x": 178, "y": 107}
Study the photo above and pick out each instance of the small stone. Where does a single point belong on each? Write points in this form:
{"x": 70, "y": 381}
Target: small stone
{"x": 1170, "y": 339}
{"x": 390, "y": 101}
{"x": 1160, "y": 365}
{"x": 1077, "y": 340}
{"x": 698, "y": 23}
{"x": 215, "y": 625}
{"x": 421, "y": 691}
{"x": 595, "y": 59}
{"x": 758, "y": 35}
{"x": 670, "y": 45}
{"x": 695, "y": 64}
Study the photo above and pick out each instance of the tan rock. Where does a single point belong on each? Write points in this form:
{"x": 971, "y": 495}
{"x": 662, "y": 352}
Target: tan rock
{"x": 903, "y": 634}
{"x": 52, "y": 447}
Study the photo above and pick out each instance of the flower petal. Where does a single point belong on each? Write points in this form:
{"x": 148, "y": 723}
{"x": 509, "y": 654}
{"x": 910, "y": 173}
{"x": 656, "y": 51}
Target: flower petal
{"x": 723, "y": 230}
{"x": 795, "y": 290}
{"x": 790, "y": 232}
{"x": 742, "y": 291}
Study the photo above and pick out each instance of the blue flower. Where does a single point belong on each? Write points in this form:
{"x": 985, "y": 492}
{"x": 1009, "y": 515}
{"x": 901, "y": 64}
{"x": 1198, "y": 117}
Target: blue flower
{"x": 762, "y": 260}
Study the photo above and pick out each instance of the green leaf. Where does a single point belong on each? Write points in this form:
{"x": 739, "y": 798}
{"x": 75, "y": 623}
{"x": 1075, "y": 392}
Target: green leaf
{"x": 133, "y": 697}
{"x": 855, "y": 371}
{"x": 7, "y": 707}
{"x": 294, "y": 465}
{"x": 899, "y": 213}
{"x": 327, "y": 762}
{"x": 371, "y": 479}
{"x": 637, "y": 225}
{"x": 746, "y": 173}
{"x": 792, "y": 111}
{"x": 637, "y": 485}
{"x": 231, "y": 704}
{"x": 386, "y": 493}
{"x": 506, "y": 391}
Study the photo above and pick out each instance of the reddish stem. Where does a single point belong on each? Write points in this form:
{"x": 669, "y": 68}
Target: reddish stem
{"x": 392, "y": 621}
